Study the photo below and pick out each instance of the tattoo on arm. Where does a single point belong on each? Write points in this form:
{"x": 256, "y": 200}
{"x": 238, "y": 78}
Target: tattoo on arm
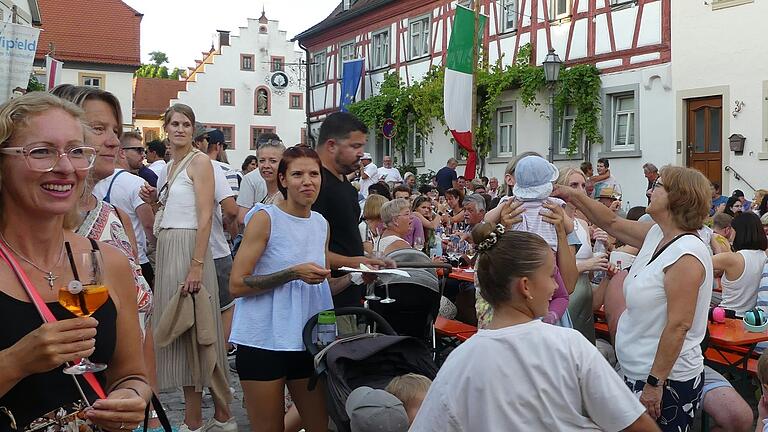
{"x": 264, "y": 283}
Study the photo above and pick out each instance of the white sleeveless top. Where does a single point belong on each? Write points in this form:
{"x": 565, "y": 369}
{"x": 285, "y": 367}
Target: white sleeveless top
{"x": 585, "y": 251}
{"x": 180, "y": 211}
{"x": 275, "y": 320}
{"x": 383, "y": 243}
{"x": 740, "y": 295}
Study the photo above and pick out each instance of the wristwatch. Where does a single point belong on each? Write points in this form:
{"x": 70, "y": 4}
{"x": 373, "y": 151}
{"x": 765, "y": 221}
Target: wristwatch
{"x": 653, "y": 381}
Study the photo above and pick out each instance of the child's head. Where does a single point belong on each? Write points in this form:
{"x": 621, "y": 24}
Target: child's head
{"x": 762, "y": 371}
{"x": 534, "y": 177}
{"x": 410, "y": 389}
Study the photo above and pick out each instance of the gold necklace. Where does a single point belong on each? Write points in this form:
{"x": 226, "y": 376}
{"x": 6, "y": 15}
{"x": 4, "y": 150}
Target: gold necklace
{"x": 49, "y": 274}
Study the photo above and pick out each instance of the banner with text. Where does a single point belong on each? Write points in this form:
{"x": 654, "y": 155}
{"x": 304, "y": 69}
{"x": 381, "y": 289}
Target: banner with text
{"x": 18, "y": 44}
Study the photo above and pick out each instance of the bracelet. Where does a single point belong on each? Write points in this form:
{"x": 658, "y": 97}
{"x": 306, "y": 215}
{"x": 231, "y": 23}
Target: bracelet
{"x": 197, "y": 261}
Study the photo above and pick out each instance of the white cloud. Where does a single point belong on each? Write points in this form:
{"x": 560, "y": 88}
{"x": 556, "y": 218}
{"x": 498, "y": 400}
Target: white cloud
{"x": 183, "y": 30}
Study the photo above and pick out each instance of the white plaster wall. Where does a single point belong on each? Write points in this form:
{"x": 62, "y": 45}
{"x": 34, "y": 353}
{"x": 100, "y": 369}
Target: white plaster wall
{"x": 118, "y": 83}
{"x": 725, "y": 48}
{"x": 23, "y": 11}
{"x": 204, "y": 94}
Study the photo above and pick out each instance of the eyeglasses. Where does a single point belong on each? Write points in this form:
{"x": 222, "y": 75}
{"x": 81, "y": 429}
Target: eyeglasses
{"x": 44, "y": 159}
{"x": 140, "y": 150}
{"x": 657, "y": 183}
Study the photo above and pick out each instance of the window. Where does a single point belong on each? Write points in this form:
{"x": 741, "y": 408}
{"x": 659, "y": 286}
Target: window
{"x": 347, "y": 4}
{"x": 150, "y": 134}
{"x": 228, "y": 131}
{"x": 506, "y": 132}
{"x": 559, "y": 9}
{"x": 414, "y": 152}
{"x": 246, "y": 62}
{"x": 91, "y": 80}
{"x": 566, "y": 127}
{"x": 317, "y": 69}
{"x": 227, "y": 97}
{"x": 419, "y": 37}
{"x": 623, "y": 124}
{"x": 508, "y": 15}
{"x": 380, "y": 49}
{"x": 278, "y": 64}
{"x": 296, "y": 100}
{"x": 347, "y": 51}
{"x": 256, "y": 131}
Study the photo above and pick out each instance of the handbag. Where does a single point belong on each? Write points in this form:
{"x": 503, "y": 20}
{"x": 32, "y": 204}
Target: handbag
{"x": 165, "y": 190}
{"x": 67, "y": 417}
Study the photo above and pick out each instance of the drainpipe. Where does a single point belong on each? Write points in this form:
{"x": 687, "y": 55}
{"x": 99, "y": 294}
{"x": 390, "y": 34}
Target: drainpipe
{"x": 307, "y": 99}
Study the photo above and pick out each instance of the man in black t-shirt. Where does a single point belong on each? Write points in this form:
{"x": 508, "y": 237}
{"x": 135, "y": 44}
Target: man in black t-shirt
{"x": 341, "y": 142}
{"x": 446, "y": 177}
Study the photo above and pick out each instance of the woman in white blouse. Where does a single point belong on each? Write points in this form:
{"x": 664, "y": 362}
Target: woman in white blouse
{"x": 667, "y": 294}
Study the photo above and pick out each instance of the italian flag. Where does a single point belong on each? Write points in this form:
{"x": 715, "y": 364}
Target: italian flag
{"x": 458, "y": 84}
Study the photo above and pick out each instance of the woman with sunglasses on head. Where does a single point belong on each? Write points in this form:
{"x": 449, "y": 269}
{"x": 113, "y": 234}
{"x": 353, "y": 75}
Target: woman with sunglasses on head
{"x": 44, "y": 163}
{"x": 667, "y": 294}
{"x": 562, "y": 383}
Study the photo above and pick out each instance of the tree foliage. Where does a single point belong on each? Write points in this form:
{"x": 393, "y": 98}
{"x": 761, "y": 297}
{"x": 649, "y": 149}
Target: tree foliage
{"x": 158, "y": 58}
{"x": 156, "y": 69}
{"x": 415, "y": 107}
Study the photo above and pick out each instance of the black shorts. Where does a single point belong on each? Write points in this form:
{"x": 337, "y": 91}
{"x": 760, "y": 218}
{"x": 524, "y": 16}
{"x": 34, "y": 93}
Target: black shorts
{"x": 256, "y": 364}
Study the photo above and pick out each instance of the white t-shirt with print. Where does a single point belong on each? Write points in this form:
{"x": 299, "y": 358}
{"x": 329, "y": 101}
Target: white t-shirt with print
{"x": 641, "y": 324}
{"x": 527, "y": 377}
{"x": 125, "y": 196}
{"x": 221, "y": 191}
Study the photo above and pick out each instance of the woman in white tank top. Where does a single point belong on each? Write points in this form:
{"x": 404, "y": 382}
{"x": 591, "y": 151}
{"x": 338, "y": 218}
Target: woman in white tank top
{"x": 744, "y": 267}
{"x": 396, "y": 216}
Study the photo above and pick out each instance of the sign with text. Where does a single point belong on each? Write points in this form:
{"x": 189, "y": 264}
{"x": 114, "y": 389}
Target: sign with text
{"x": 18, "y": 44}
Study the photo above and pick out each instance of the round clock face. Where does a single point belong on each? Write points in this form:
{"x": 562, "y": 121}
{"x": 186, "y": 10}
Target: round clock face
{"x": 279, "y": 80}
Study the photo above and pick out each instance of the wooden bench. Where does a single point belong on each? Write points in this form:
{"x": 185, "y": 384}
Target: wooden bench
{"x": 455, "y": 329}
{"x": 729, "y": 359}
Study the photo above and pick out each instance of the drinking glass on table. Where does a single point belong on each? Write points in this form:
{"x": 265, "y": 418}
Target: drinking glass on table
{"x": 370, "y": 293}
{"x": 418, "y": 241}
{"x": 83, "y": 296}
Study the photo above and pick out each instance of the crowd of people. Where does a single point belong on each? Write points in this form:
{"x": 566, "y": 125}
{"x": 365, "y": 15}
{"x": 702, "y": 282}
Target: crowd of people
{"x": 203, "y": 261}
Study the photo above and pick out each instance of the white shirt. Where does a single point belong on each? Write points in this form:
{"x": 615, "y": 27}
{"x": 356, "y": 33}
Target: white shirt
{"x": 231, "y": 175}
{"x": 740, "y": 295}
{"x": 373, "y": 177}
{"x": 527, "y": 377}
{"x": 221, "y": 191}
{"x": 125, "y": 196}
{"x": 157, "y": 166}
{"x": 641, "y": 324}
{"x": 253, "y": 189}
{"x": 392, "y": 175}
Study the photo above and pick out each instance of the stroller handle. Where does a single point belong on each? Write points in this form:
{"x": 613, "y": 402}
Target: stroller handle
{"x": 382, "y": 324}
{"x": 422, "y": 265}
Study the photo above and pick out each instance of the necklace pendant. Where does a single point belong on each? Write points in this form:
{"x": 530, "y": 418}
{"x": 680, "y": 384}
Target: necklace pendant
{"x": 51, "y": 277}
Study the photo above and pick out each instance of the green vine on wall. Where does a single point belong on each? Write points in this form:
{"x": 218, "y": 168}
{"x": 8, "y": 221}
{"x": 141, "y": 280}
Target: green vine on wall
{"x": 418, "y": 105}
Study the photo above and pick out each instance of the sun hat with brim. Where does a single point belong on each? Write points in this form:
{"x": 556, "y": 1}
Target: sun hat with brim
{"x": 375, "y": 410}
{"x": 534, "y": 177}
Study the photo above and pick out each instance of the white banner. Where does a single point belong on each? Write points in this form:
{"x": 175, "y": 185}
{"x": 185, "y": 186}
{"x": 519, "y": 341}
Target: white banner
{"x": 18, "y": 44}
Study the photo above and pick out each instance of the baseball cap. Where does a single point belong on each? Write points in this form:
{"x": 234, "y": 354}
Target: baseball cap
{"x": 366, "y": 156}
{"x": 201, "y": 130}
{"x": 375, "y": 410}
{"x": 216, "y": 136}
{"x": 533, "y": 178}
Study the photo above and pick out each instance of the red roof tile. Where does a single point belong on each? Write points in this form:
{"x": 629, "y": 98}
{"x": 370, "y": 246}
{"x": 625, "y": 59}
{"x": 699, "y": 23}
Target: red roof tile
{"x": 104, "y": 31}
{"x": 151, "y": 96}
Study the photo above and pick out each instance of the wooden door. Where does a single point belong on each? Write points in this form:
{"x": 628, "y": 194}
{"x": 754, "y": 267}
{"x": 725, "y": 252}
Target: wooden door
{"x": 705, "y": 136}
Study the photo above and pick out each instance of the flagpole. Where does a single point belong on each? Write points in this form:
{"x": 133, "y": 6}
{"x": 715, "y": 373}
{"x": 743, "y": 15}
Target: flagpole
{"x": 476, "y": 10}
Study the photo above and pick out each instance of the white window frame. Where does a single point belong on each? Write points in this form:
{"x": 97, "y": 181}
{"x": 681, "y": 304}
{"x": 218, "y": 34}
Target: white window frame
{"x": 380, "y": 49}
{"x": 319, "y": 73}
{"x": 631, "y": 122}
{"x": 511, "y": 150}
{"x": 610, "y": 97}
{"x": 425, "y": 26}
{"x": 345, "y": 56}
{"x": 555, "y": 13}
{"x": 508, "y": 8}
{"x": 346, "y": 4}
{"x": 411, "y": 155}
{"x": 564, "y": 137}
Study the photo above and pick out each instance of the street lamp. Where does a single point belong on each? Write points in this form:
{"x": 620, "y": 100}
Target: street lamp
{"x": 552, "y": 65}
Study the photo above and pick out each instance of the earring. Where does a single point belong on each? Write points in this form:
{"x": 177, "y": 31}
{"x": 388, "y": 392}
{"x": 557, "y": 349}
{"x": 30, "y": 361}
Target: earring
{"x": 530, "y": 297}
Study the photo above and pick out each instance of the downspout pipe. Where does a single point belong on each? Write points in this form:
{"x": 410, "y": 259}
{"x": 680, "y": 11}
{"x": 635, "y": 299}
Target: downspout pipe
{"x": 307, "y": 99}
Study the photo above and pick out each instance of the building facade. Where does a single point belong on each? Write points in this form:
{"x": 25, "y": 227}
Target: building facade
{"x": 629, "y": 41}
{"x": 254, "y": 83}
{"x": 150, "y": 100}
{"x": 103, "y": 51}
{"x": 25, "y": 12}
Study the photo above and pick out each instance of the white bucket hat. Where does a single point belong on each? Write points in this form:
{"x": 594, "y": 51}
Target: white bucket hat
{"x": 534, "y": 176}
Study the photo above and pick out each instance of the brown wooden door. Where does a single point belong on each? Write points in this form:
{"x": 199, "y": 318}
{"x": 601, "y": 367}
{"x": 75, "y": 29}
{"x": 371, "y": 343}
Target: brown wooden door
{"x": 705, "y": 136}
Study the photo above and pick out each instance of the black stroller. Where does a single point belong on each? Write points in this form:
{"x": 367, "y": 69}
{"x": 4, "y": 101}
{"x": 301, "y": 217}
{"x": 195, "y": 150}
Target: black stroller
{"x": 370, "y": 358}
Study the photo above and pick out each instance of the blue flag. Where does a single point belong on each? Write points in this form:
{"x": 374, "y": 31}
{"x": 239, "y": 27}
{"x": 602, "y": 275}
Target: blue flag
{"x": 352, "y": 72}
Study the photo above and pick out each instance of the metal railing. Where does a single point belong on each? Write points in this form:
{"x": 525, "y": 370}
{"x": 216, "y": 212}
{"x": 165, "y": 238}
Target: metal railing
{"x": 738, "y": 176}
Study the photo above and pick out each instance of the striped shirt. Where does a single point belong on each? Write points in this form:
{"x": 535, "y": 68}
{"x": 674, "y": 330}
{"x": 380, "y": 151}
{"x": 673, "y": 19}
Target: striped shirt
{"x": 230, "y": 174}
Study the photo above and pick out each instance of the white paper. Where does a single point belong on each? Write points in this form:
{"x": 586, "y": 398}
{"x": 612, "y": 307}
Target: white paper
{"x": 364, "y": 269}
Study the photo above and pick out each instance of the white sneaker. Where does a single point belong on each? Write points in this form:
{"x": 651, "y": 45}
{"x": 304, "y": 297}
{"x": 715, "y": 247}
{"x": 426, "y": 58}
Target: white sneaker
{"x": 185, "y": 428}
{"x": 214, "y": 425}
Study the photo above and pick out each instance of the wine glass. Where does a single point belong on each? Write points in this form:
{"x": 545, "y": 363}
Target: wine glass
{"x": 470, "y": 252}
{"x": 83, "y": 296}
{"x": 387, "y": 299}
{"x": 370, "y": 293}
{"x": 418, "y": 241}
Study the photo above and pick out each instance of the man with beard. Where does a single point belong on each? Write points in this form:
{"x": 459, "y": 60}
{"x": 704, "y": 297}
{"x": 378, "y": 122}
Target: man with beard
{"x": 341, "y": 142}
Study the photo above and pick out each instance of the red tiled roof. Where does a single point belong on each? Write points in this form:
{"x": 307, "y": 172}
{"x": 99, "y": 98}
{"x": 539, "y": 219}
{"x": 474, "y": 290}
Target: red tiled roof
{"x": 151, "y": 96}
{"x": 104, "y": 31}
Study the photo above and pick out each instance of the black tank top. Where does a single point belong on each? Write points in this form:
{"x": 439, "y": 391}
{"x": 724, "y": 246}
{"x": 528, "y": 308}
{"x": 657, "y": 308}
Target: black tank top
{"x": 39, "y": 394}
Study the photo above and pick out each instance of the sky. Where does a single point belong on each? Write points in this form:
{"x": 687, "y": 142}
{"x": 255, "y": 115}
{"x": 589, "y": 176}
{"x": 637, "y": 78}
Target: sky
{"x": 184, "y": 29}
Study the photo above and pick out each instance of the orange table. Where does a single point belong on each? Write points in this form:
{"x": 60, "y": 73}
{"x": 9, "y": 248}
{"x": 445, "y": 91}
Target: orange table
{"x": 462, "y": 275}
{"x": 732, "y": 341}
